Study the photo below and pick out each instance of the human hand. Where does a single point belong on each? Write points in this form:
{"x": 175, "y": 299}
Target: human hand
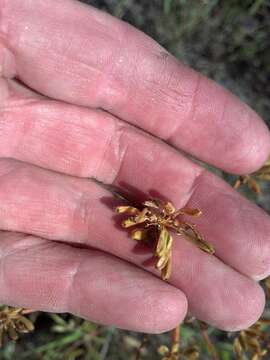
{"x": 87, "y": 71}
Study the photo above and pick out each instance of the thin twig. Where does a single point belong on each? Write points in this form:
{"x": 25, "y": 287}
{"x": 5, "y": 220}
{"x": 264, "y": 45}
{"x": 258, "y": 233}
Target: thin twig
{"x": 176, "y": 338}
{"x": 176, "y": 335}
{"x": 106, "y": 345}
{"x": 210, "y": 346}
{"x": 141, "y": 347}
{"x": 28, "y": 311}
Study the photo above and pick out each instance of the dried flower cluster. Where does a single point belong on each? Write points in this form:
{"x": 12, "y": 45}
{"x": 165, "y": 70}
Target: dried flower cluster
{"x": 168, "y": 354}
{"x": 253, "y": 343}
{"x": 13, "y": 321}
{"x": 252, "y": 180}
{"x": 176, "y": 352}
{"x": 153, "y": 222}
{"x": 189, "y": 353}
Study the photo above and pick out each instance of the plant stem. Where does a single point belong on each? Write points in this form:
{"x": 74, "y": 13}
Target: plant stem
{"x": 210, "y": 346}
{"x": 140, "y": 348}
{"x": 176, "y": 336}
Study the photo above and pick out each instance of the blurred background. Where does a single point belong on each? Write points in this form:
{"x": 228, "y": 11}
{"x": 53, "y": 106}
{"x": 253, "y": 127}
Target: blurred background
{"x": 229, "y": 41}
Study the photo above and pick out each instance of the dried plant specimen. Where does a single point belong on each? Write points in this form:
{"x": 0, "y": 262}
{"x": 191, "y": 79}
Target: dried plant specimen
{"x": 264, "y": 172}
{"x": 249, "y": 181}
{"x": 253, "y": 342}
{"x": 188, "y": 352}
{"x": 252, "y": 180}
{"x": 167, "y": 354}
{"x": 154, "y": 221}
{"x": 13, "y": 322}
{"x": 174, "y": 353}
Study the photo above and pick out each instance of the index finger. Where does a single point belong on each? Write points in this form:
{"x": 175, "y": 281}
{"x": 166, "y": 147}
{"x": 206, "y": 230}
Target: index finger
{"x": 70, "y": 51}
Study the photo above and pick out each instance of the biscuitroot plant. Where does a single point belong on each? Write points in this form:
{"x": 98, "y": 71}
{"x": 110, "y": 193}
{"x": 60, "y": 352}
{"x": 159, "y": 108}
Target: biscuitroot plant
{"x": 14, "y": 322}
{"x": 153, "y": 222}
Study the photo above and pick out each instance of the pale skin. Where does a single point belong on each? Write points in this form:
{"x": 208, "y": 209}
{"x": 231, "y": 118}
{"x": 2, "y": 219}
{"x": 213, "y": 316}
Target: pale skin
{"x": 87, "y": 70}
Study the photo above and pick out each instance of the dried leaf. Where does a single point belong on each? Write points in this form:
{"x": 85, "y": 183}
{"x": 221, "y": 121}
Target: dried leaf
{"x": 264, "y": 321}
{"x": 191, "y": 353}
{"x": 267, "y": 163}
{"x": 255, "y": 357}
{"x": 152, "y": 203}
{"x": 254, "y": 343}
{"x": 167, "y": 271}
{"x": 129, "y": 210}
{"x": 24, "y": 325}
{"x": 139, "y": 234}
{"x": 128, "y": 222}
{"x": 253, "y": 332}
{"x": 162, "y": 262}
{"x": 188, "y": 211}
{"x": 243, "y": 340}
{"x": 175, "y": 348}
{"x": 169, "y": 208}
{"x": 194, "y": 236}
{"x": 237, "y": 348}
{"x": 164, "y": 243}
{"x": 12, "y": 333}
{"x": 264, "y": 177}
{"x": 254, "y": 186}
{"x": 156, "y": 219}
{"x": 237, "y": 184}
{"x": 163, "y": 350}
{"x": 265, "y": 170}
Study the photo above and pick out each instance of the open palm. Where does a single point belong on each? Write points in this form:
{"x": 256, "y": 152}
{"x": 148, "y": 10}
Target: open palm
{"x": 84, "y": 95}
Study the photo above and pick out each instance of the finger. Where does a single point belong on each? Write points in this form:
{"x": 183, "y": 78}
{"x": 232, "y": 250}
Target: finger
{"x": 49, "y": 276}
{"x": 91, "y": 143}
{"x": 125, "y": 72}
{"x": 88, "y": 143}
{"x": 238, "y": 229}
{"x": 69, "y": 209}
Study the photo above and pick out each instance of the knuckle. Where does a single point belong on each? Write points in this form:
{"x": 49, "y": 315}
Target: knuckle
{"x": 114, "y": 154}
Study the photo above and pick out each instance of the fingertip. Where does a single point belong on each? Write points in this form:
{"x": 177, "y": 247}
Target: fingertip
{"x": 170, "y": 309}
{"x": 249, "y": 310}
{"x": 251, "y": 145}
